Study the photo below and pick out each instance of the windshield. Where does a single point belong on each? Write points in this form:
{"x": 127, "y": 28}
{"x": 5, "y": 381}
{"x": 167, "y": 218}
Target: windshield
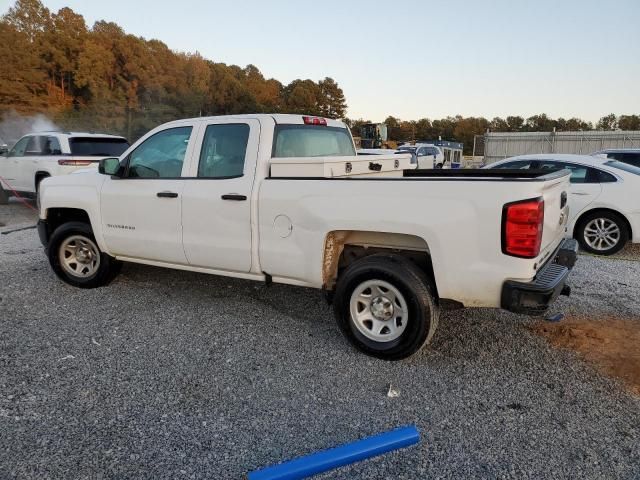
{"x": 97, "y": 147}
{"x": 623, "y": 166}
{"x": 312, "y": 141}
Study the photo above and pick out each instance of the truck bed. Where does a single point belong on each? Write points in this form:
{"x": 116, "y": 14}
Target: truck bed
{"x": 464, "y": 174}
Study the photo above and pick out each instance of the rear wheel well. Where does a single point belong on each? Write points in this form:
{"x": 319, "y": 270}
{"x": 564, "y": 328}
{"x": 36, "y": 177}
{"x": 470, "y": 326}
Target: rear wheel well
{"x": 580, "y": 219}
{"x": 39, "y": 177}
{"x": 60, "y": 216}
{"x": 343, "y": 248}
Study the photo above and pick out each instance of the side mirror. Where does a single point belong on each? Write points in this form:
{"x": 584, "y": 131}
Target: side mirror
{"x": 109, "y": 166}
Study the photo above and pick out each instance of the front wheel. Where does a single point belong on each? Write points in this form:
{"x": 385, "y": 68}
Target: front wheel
{"x": 385, "y": 306}
{"x": 602, "y": 233}
{"x": 76, "y": 258}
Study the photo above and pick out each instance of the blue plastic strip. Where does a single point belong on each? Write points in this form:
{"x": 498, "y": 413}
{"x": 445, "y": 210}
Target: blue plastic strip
{"x": 339, "y": 456}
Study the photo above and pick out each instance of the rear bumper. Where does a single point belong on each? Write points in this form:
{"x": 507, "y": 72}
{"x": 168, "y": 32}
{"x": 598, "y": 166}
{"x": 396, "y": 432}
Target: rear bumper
{"x": 535, "y": 296}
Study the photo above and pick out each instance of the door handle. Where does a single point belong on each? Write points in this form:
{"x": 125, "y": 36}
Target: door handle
{"x": 234, "y": 196}
{"x": 579, "y": 193}
{"x": 167, "y": 194}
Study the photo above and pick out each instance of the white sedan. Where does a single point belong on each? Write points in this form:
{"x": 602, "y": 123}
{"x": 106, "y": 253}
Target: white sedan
{"x": 604, "y": 198}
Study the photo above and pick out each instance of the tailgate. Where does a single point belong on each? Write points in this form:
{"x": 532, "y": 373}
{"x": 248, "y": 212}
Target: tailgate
{"x": 556, "y": 214}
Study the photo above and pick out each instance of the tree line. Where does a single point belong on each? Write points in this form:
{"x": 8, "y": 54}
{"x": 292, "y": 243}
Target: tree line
{"x": 463, "y": 129}
{"x": 104, "y": 79}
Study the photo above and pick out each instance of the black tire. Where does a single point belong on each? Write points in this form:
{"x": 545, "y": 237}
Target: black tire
{"x": 438, "y": 166}
{"x": 415, "y": 287}
{"x": 108, "y": 266}
{"x": 607, "y": 216}
{"x": 4, "y": 196}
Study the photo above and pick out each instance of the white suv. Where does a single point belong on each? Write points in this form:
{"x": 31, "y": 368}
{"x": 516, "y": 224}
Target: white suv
{"x": 46, "y": 154}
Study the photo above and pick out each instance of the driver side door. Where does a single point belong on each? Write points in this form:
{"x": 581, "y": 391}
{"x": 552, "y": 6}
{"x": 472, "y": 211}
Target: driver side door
{"x": 10, "y": 167}
{"x": 141, "y": 208}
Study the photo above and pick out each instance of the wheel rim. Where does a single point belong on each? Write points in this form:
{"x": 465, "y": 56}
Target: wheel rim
{"x": 379, "y": 311}
{"x": 602, "y": 234}
{"x": 79, "y": 256}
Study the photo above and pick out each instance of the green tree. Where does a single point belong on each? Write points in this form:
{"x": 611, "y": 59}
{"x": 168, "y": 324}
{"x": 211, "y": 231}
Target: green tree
{"x": 303, "y": 96}
{"x": 424, "y": 129}
{"x": 499, "y": 125}
{"x": 540, "y": 123}
{"x": 608, "y": 122}
{"x": 332, "y": 101}
{"x": 629, "y": 122}
{"x": 515, "y": 123}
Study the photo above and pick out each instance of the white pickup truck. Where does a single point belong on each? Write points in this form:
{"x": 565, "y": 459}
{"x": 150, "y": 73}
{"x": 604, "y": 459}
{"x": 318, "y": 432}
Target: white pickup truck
{"x": 284, "y": 198}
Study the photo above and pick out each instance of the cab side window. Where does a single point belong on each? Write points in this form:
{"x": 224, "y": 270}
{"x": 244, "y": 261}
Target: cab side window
{"x": 223, "y": 150}
{"x": 161, "y": 155}
{"x": 19, "y": 148}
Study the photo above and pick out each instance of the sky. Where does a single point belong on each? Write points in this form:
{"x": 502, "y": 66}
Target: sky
{"x": 410, "y": 58}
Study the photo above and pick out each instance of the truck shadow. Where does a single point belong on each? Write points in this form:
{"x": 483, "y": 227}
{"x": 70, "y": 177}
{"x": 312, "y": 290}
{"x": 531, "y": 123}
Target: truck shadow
{"x": 467, "y": 334}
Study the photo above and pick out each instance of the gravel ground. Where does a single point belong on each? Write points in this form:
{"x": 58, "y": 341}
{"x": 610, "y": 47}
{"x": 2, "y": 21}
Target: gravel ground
{"x": 168, "y": 374}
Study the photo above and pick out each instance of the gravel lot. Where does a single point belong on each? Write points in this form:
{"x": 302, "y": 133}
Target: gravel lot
{"x": 168, "y": 374}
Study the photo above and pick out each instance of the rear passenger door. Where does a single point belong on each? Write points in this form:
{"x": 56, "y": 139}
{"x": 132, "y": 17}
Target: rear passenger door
{"x": 216, "y": 203}
{"x": 585, "y": 185}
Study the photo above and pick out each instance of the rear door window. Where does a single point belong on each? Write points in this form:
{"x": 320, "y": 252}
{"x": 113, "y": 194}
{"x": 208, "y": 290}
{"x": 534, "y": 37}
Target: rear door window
{"x": 51, "y": 146}
{"x": 579, "y": 173}
{"x": 223, "y": 151}
{"x": 97, "y": 147}
{"x": 311, "y": 141}
{"x": 34, "y": 146}
{"x": 599, "y": 176}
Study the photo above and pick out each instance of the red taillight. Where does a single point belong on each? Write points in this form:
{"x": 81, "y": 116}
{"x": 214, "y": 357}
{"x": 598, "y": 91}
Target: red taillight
{"x": 314, "y": 121}
{"x": 75, "y": 163}
{"x": 522, "y": 224}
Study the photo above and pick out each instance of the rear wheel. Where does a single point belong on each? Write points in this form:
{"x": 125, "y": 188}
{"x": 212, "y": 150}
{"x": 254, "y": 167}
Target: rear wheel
{"x": 76, "y": 258}
{"x": 385, "y": 306}
{"x": 602, "y": 233}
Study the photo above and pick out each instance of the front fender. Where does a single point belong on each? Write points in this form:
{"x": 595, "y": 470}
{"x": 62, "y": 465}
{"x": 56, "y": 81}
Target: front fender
{"x": 81, "y": 192}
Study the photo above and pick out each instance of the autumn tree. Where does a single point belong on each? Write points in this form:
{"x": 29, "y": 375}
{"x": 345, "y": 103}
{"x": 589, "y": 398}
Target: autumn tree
{"x": 102, "y": 78}
{"x": 22, "y": 83}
